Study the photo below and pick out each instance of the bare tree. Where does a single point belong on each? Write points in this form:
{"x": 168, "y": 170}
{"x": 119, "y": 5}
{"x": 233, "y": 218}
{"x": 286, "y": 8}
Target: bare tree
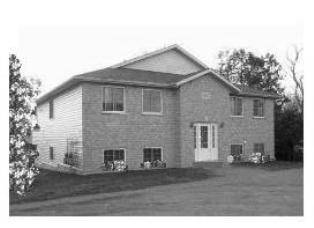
{"x": 297, "y": 76}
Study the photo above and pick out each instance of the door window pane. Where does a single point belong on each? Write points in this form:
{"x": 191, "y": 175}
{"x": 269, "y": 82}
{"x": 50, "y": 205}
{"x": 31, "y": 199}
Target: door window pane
{"x": 204, "y": 137}
{"x": 194, "y": 132}
{"x": 213, "y": 136}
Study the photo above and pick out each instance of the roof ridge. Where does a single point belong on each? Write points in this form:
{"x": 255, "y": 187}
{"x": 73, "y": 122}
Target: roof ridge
{"x": 159, "y": 51}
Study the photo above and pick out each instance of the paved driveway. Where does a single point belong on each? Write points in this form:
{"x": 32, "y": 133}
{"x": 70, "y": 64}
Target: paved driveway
{"x": 235, "y": 191}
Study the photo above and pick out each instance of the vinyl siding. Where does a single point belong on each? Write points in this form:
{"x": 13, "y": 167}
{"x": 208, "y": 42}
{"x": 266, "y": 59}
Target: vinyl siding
{"x": 168, "y": 62}
{"x": 66, "y": 124}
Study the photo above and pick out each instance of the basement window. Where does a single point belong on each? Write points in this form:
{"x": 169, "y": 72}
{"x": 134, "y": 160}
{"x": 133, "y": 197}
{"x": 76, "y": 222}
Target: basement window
{"x": 236, "y": 149}
{"x": 114, "y": 155}
{"x": 152, "y": 154}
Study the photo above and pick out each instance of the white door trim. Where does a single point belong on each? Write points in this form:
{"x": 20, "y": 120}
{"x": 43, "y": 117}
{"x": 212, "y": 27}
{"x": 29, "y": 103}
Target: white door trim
{"x": 206, "y": 150}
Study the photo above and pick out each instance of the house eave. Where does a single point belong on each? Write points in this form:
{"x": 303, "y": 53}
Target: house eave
{"x": 205, "y": 72}
{"x": 76, "y": 80}
{"x": 256, "y": 96}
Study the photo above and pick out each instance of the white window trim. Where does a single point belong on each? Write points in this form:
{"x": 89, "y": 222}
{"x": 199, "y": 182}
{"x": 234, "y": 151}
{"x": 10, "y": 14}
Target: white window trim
{"x": 259, "y": 117}
{"x": 102, "y": 100}
{"x": 161, "y": 103}
{"x": 124, "y": 151}
{"x": 242, "y": 110}
{"x": 152, "y": 147}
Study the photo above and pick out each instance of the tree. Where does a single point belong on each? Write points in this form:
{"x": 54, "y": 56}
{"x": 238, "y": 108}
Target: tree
{"x": 246, "y": 69}
{"x": 288, "y": 131}
{"x": 265, "y": 72}
{"x": 21, "y": 112}
{"x": 297, "y": 76}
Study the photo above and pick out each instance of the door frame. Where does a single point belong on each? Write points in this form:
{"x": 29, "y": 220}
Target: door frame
{"x": 210, "y": 153}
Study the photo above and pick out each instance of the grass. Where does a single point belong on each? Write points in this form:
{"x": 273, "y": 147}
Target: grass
{"x": 52, "y": 185}
{"x": 273, "y": 189}
{"x": 271, "y": 166}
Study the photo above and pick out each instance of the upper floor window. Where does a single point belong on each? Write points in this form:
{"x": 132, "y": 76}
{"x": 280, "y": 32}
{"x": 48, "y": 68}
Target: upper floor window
{"x": 152, "y": 101}
{"x": 51, "y": 109}
{"x": 236, "y": 106}
{"x": 258, "y": 108}
{"x": 113, "y": 99}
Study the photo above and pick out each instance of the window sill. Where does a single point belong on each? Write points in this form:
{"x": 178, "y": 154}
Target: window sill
{"x": 112, "y": 112}
{"x": 237, "y": 116}
{"x": 152, "y": 113}
{"x": 258, "y": 117}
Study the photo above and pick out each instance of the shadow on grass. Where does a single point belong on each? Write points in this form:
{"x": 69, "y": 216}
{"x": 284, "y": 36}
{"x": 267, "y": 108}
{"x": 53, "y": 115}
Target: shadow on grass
{"x": 52, "y": 185}
{"x": 271, "y": 166}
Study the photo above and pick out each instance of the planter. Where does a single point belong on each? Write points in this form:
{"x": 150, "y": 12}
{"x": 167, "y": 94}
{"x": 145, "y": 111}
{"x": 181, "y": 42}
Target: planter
{"x": 154, "y": 165}
{"x": 115, "y": 166}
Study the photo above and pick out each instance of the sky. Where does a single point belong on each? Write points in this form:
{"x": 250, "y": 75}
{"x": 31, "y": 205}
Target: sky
{"x": 55, "y": 53}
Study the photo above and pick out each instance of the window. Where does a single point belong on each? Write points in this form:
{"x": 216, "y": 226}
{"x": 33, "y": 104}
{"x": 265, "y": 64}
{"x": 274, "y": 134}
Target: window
{"x": 213, "y": 136}
{"x": 113, "y": 99}
{"x": 152, "y": 102}
{"x": 236, "y": 106}
{"x": 51, "y": 109}
{"x": 194, "y": 133}
{"x": 204, "y": 136}
{"x": 236, "y": 149}
{"x": 51, "y": 155}
{"x": 152, "y": 154}
{"x": 258, "y": 108}
{"x": 259, "y": 148}
{"x": 113, "y": 155}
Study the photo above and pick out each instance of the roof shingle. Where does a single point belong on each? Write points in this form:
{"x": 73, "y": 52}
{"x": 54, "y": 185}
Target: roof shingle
{"x": 134, "y": 77}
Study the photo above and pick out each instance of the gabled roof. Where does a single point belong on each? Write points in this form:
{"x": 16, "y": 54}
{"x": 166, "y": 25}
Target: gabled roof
{"x": 120, "y": 75}
{"x": 210, "y": 72}
{"x": 159, "y": 51}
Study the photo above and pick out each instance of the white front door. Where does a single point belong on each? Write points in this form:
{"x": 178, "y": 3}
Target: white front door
{"x": 206, "y": 142}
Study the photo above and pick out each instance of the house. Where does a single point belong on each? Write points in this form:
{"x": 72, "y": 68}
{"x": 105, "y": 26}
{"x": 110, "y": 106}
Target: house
{"x": 165, "y": 105}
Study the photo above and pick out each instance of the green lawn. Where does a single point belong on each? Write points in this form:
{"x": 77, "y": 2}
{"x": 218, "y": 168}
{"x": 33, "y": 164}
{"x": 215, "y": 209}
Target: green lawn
{"x": 51, "y": 185}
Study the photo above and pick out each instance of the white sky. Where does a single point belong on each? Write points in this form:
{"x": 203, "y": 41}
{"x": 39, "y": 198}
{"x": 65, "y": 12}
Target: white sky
{"x": 54, "y": 54}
